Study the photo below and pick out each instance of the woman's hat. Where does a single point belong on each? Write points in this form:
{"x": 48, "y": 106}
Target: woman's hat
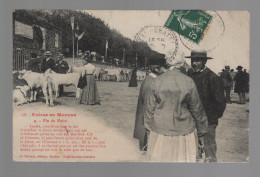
{"x": 175, "y": 58}
{"x": 198, "y": 54}
{"x": 239, "y": 67}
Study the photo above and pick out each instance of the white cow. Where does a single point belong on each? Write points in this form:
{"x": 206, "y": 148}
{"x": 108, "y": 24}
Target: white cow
{"x": 63, "y": 79}
{"x": 97, "y": 72}
{"x": 114, "y": 72}
{"x": 20, "y": 95}
{"x": 38, "y": 80}
{"x": 140, "y": 75}
{"x": 77, "y": 69}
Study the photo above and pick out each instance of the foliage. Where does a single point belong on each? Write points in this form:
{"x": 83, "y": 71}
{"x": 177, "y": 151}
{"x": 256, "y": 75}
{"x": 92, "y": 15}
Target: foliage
{"x": 97, "y": 32}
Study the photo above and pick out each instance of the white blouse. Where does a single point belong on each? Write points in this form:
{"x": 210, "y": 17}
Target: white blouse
{"x": 89, "y": 69}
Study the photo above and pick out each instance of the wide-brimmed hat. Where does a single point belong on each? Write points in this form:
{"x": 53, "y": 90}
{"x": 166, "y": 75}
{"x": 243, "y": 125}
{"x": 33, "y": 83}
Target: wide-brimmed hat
{"x": 199, "y": 54}
{"x": 239, "y": 67}
{"x": 47, "y": 53}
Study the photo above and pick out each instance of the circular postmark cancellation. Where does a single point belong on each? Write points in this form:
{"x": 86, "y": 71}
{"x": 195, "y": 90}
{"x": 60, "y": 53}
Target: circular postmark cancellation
{"x": 210, "y": 38}
{"x": 158, "y": 38}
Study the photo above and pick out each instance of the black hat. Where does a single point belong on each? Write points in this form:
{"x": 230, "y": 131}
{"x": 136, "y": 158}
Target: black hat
{"x": 227, "y": 67}
{"x": 33, "y": 55}
{"x": 89, "y": 60}
{"x": 239, "y": 67}
{"x": 60, "y": 56}
{"x": 198, "y": 54}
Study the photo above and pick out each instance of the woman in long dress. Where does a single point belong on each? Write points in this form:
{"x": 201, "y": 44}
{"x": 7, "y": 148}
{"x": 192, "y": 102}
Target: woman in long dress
{"x": 89, "y": 94}
{"x": 133, "y": 80}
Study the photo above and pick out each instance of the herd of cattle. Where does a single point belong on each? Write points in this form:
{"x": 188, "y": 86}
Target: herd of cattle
{"x": 108, "y": 74}
{"x": 50, "y": 81}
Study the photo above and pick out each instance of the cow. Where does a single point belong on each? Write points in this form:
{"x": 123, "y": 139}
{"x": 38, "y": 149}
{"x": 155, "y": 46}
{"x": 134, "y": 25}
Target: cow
{"x": 38, "y": 80}
{"x": 77, "y": 69}
{"x": 140, "y": 75}
{"x": 114, "y": 72}
{"x": 99, "y": 72}
{"x": 20, "y": 95}
{"x": 63, "y": 79}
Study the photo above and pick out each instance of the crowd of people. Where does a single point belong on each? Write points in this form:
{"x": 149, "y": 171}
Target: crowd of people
{"x": 177, "y": 112}
{"x": 239, "y": 82}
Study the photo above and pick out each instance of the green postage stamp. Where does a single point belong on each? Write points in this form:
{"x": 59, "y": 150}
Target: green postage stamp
{"x": 189, "y": 23}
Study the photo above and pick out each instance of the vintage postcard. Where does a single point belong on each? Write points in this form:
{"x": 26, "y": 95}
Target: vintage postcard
{"x": 131, "y": 85}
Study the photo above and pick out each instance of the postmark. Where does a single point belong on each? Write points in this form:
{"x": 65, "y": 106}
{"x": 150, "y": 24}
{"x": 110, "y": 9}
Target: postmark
{"x": 195, "y": 36}
{"x": 158, "y": 38}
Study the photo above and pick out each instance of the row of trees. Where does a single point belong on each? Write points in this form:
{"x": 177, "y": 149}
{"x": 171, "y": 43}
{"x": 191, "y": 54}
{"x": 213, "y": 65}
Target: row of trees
{"x": 96, "y": 34}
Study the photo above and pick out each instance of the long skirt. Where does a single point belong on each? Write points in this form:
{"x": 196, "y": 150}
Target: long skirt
{"x": 162, "y": 148}
{"x": 89, "y": 94}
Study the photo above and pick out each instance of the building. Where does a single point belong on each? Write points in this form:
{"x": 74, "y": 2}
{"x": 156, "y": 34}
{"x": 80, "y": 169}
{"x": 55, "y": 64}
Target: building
{"x": 33, "y": 33}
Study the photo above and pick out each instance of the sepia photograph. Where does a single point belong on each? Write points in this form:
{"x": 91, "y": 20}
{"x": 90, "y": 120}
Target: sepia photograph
{"x": 130, "y": 85}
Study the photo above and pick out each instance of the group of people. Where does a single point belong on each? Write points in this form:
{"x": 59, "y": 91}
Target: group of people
{"x": 60, "y": 66}
{"x": 177, "y": 114}
{"x": 241, "y": 79}
{"x": 89, "y": 94}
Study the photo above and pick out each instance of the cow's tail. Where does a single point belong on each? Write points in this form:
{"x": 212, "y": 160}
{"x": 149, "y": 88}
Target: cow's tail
{"x": 49, "y": 83}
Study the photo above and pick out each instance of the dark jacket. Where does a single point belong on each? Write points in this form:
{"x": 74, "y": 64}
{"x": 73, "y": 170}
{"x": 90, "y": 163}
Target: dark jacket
{"x": 48, "y": 64}
{"x": 33, "y": 65}
{"x": 61, "y": 67}
{"x": 139, "y": 129}
{"x": 227, "y": 79}
{"x": 211, "y": 91}
{"x": 242, "y": 80}
{"x": 174, "y": 107}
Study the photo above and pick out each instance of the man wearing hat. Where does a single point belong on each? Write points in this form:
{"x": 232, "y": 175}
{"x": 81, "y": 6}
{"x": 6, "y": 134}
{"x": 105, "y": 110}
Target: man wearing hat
{"x": 33, "y": 63}
{"x": 227, "y": 80}
{"x": 211, "y": 91}
{"x": 61, "y": 67}
{"x": 240, "y": 86}
{"x": 48, "y": 62}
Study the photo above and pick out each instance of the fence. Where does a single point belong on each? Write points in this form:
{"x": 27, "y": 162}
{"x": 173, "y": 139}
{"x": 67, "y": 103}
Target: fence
{"x": 21, "y": 53}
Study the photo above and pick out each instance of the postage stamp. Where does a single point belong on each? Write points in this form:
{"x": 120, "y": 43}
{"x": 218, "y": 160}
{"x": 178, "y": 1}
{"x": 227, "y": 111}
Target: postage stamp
{"x": 189, "y": 23}
{"x": 198, "y": 30}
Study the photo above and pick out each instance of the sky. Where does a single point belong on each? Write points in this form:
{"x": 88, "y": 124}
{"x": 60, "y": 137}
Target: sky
{"x": 227, "y": 39}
